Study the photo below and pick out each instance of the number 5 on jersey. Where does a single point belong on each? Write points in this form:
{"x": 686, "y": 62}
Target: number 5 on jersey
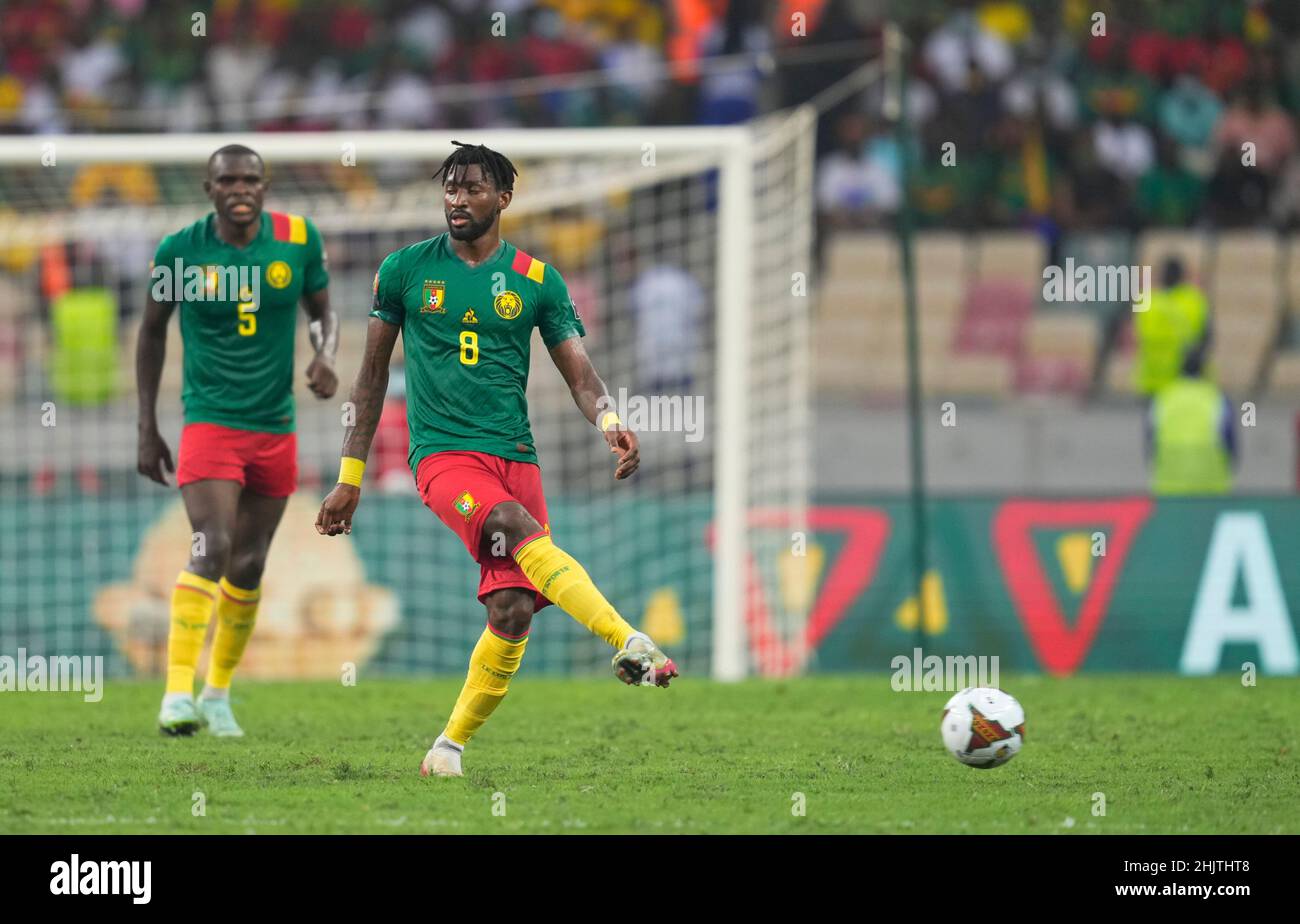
{"x": 247, "y": 318}
{"x": 468, "y": 347}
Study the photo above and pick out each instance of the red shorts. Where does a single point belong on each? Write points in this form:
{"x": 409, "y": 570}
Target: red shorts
{"x": 461, "y": 488}
{"x": 265, "y": 463}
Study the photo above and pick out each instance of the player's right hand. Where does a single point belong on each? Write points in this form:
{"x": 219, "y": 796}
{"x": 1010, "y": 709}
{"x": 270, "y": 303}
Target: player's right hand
{"x": 336, "y": 512}
{"x": 153, "y": 456}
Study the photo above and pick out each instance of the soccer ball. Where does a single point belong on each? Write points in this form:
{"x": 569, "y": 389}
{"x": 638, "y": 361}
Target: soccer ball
{"x": 983, "y": 727}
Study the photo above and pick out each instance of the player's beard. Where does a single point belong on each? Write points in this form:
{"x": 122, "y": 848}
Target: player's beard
{"x": 472, "y": 230}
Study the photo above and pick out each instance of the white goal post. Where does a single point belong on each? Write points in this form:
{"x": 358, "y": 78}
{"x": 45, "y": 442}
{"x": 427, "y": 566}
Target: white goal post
{"x": 747, "y": 190}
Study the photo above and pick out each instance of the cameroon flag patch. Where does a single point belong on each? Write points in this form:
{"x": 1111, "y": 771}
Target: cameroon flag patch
{"x": 289, "y": 228}
{"x": 528, "y": 266}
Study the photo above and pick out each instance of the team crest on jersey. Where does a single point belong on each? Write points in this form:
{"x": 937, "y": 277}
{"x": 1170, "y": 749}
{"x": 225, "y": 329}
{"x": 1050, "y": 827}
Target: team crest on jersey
{"x": 466, "y": 505}
{"x": 508, "y": 305}
{"x": 278, "y": 274}
{"x": 435, "y": 298}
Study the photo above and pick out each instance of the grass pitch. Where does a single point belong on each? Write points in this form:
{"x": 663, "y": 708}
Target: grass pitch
{"x": 1170, "y": 755}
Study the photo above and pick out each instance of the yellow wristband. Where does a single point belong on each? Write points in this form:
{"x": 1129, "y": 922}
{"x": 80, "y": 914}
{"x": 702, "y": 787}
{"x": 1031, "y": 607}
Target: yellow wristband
{"x": 609, "y": 419}
{"x": 351, "y": 470}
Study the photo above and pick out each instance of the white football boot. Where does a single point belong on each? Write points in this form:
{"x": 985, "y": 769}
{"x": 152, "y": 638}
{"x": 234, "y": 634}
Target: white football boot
{"x": 443, "y": 758}
{"x": 642, "y": 664}
{"x": 178, "y": 715}
{"x": 219, "y": 718}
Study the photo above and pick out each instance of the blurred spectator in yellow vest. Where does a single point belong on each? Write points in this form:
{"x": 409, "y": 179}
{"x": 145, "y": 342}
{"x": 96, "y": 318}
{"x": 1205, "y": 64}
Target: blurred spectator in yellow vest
{"x": 1169, "y": 324}
{"x": 1191, "y": 439}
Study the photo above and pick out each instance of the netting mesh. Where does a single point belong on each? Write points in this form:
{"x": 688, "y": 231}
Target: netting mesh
{"x": 89, "y": 549}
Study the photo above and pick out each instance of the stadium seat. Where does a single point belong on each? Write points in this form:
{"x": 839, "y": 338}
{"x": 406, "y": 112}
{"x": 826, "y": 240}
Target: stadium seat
{"x": 1070, "y": 335}
{"x": 1241, "y": 345}
{"x": 16, "y": 301}
{"x": 1118, "y": 377}
{"x": 861, "y": 256}
{"x": 1246, "y": 253}
{"x": 1050, "y": 374}
{"x": 1059, "y": 352}
{"x": 1284, "y": 381}
{"x": 993, "y": 319}
{"x": 936, "y": 356}
{"x": 940, "y": 297}
{"x": 858, "y": 298}
{"x": 1293, "y": 279}
{"x": 844, "y": 335}
{"x": 1256, "y": 295}
{"x": 941, "y": 255}
{"x": 1013, "y": 256}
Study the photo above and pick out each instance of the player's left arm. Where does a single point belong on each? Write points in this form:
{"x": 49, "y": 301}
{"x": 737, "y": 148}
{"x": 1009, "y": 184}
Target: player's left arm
{"x": 321, "y": 378}
{"x": 592, "y": 398}
{"x": 324, "y": 330}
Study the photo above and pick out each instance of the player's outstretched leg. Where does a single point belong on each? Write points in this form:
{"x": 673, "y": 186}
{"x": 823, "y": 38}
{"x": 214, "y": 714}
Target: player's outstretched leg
{"x": 494, "y": 661}
{"x": 559, "y": 577}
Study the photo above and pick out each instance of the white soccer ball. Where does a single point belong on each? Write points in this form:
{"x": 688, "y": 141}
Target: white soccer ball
{"x": 983, "y": 727}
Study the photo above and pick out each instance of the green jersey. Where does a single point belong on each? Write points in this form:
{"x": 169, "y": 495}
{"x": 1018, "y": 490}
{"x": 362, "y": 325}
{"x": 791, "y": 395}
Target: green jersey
{"x": 467, "y": 332}
{"x": 238, "y": 312}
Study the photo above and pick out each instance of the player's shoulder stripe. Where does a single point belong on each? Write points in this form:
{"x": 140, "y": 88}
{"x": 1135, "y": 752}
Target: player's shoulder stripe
{"x": 528, "y": 266}
{"x": 289, "y": 228}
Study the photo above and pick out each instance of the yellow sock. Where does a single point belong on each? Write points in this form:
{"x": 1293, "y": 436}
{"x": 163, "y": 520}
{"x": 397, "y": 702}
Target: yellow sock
{"x": 236, "y": 614}
{"x": 493, "y": 662}
{"x": 192, "y": 600}
{"x": 559, "y": 578}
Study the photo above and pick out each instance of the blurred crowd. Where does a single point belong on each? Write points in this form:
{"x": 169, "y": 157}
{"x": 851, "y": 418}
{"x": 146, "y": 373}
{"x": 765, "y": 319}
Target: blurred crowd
{"x": 162, "y": 65}
{"x": 1085, "y": 115}
{"x": 1055, "y": 114}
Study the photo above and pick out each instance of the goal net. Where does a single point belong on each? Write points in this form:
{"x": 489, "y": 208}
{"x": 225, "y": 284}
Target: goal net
{"x": 687, "y": 252}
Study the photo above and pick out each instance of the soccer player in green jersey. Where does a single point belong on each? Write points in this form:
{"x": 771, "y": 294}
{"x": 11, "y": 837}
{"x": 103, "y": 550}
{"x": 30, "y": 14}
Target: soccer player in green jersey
{"x": 466, "y": 303}
{"x": 237, "y": 276}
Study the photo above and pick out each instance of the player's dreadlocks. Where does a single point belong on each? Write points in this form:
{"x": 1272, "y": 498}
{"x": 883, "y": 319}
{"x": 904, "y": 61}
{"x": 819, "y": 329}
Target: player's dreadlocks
{"x": 495, "y": 164}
